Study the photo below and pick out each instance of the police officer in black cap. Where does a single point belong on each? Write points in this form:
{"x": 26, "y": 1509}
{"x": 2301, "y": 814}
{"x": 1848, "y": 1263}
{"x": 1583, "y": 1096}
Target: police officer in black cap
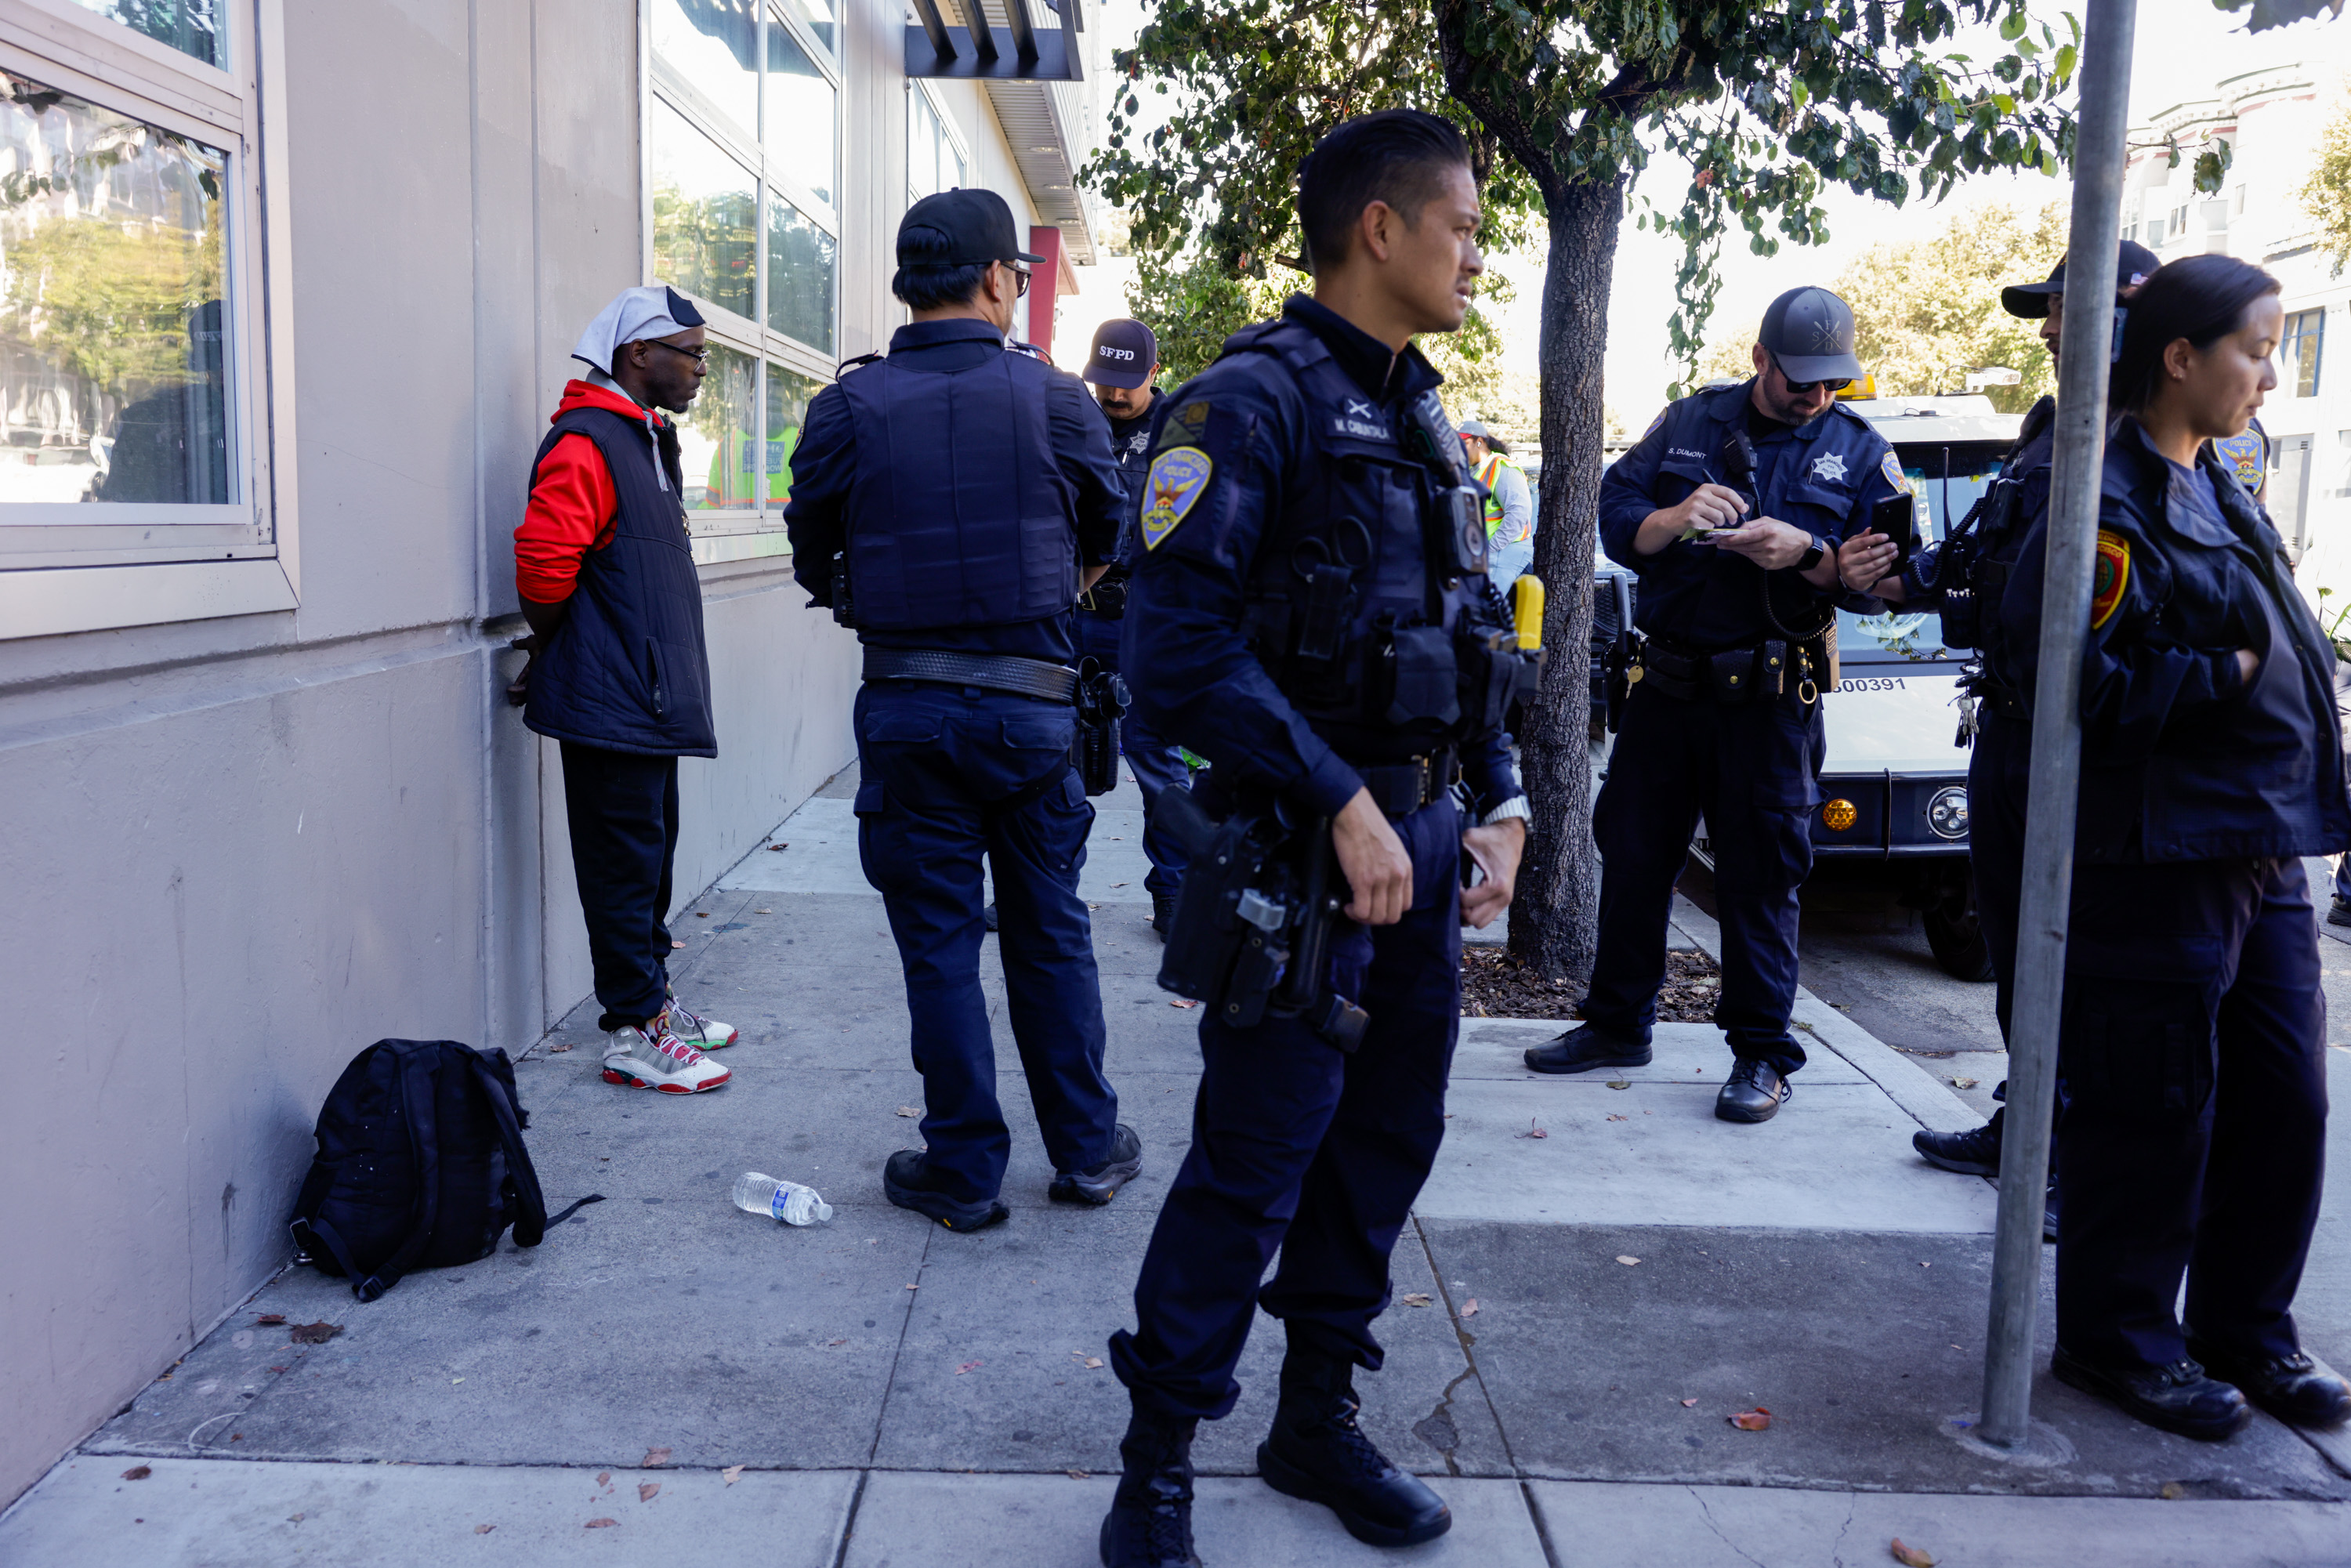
{"x": 1122, "y": 369}
{"x": 1311, "y": 614}
{"x": 950, "y": 501}
{"x": 1731, "y": 509}
{"x": 1964, "y": 576}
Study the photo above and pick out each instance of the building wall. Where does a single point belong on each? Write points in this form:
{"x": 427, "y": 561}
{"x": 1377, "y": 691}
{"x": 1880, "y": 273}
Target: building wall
{"x": 239, "y": 849}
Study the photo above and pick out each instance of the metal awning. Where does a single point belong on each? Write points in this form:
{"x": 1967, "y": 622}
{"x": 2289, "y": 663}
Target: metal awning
{"x": 971, "y": 52}
{"x": 1032, "y": 86}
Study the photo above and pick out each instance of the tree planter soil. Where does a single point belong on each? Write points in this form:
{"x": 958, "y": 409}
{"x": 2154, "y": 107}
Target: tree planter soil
{"x": 1495, "y": 984}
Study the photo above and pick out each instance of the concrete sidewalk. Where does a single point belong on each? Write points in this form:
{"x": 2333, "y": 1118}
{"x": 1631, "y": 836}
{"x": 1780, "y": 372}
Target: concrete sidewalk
{"x": 1578, "y": 1313}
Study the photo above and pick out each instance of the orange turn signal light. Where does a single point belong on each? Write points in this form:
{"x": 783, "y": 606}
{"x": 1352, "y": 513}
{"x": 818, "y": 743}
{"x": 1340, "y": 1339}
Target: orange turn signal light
{"x": 1839, "y": 815}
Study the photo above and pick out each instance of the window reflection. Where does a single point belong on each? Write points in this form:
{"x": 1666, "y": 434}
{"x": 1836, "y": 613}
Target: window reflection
{"x": 191, "y": 26}
{"x": 817, "y": 16}
{"x": 787, "y": 400}
{"x": 799, "y": 114}
{"x": 714, "y": 45}
{"x": 714, "y": 431}
{"x": 799, "y": 275}
{"x": 705, "y": 221}
{"x": 113, "y": 374}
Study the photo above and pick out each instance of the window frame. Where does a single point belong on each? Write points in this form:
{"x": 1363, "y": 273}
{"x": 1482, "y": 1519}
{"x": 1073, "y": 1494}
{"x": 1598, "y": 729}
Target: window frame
{"x": 2304, "y": 329}
{"x": 247, "y": 559}
{"x": 739, "y": 533}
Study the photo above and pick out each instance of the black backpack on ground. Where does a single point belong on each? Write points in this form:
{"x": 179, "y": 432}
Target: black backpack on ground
{"x": 421, "y": 1164}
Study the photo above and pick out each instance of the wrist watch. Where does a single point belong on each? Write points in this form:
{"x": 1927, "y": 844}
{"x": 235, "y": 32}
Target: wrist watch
{"x": 1812, "y": 558}
{"x": 1516, "y": 806}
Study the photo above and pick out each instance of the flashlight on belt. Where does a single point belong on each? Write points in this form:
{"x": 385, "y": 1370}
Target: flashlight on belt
{"x": 1526, "y": 611}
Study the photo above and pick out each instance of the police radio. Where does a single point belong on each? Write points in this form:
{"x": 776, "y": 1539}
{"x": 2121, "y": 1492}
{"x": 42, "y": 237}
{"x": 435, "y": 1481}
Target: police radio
{"x": 1461, "y": 500}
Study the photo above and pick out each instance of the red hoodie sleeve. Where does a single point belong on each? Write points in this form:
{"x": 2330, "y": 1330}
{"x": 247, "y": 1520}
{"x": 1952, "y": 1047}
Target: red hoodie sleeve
{"x": 572, "y": 508}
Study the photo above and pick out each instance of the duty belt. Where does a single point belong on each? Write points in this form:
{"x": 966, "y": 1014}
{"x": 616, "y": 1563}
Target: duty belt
{"x": 1756, "y": 672}
{"x": 1400, "y": 788}
{"x": 994, "y": 672}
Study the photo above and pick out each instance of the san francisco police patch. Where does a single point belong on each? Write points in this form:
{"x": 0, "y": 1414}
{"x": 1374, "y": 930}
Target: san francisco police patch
{"x": 2111, "y": 577}
{"x": 1892, "y": 469}
{"x": 1177, "y": 477}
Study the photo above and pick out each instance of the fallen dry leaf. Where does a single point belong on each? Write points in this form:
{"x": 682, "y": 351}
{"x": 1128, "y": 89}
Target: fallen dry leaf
{"x": 968, "y": 1367}
{"x": 1118, "y": 884}
{"x": 1614, "y": 1117}
{"x": 776, "y": 849}
{"x": 648, "y": 1490}
{"x": 603, "y": 1477}
{"x": 910, "y": 1110}
{"x": 1960, "y": 1083}
{"x": 731, "y": 1474}
{"x": 1414, "y": 1298}
{"x": 296, "y": 1518}
{"x": 557, "y": 1049}
{"x": 1911, "y": 1556}
{"x": 1182, "y": 1002}
{"x": 914, "y": 1287}
{"x": 484, "y": 1529}
{"x": 1755, "y": 1420}
{"x": 835, "y": 1342}
{"x": 1075, "y": 1475}
{"x": 1618, "y": 1084}
{"x": 763, "y": 912}
{"x": 654, "y": 1458}
{"x": 1469, "y": 1308}
{"x": 270, "y": 1319}
{"x": 316, "y": 1333}
{"x": 702, "y": 914}
{"x": 1688, "y": 1402}
{"x": 2173, "y": 1491}
{"x": 602, "y": 1523}
{"x": 138, "y": 1472}
{"x": 1094, "y": 1363}
{"x": 674, "y": 944}
{"x": 1532, "y": 1131}
{"x": 1626, "y": 1259}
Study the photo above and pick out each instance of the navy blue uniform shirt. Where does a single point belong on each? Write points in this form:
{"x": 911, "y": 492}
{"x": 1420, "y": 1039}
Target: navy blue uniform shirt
{"x": 824, "y": 466}
{"x": 1822, "y": 476}
{"x": 1193, "y": 675}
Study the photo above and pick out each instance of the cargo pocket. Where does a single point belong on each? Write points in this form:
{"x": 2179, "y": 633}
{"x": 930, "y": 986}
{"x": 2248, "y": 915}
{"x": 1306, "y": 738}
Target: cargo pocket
{"x": 1423, "y": 686}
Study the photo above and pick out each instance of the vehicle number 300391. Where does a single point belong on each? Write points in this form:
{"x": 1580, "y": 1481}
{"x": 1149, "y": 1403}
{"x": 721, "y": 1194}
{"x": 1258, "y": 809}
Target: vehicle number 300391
{"x": 1870, "y": 684}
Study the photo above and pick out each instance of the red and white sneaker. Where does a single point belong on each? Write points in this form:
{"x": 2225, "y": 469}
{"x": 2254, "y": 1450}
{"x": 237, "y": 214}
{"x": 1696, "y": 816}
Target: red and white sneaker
{"x": 637, "y": 1060}
{"x": 702, "y": 1033}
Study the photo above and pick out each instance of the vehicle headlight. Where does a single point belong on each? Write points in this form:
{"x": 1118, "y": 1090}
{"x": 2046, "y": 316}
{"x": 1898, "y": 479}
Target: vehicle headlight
{"x": 1839, "y": 815}
{"x": 1947, "y": 813}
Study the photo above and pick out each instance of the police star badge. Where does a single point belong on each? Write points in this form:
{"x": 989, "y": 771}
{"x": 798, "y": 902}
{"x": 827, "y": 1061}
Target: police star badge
{"x": 1829, "y": 466}
{"x": 1178, "y": 476}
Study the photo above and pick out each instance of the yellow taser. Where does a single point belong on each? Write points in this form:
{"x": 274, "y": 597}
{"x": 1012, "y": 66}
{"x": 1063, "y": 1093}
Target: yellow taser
{"x": 1527, "y": 610}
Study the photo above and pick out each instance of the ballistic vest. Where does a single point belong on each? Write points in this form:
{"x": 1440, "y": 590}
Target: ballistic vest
{"x": 627, "y": 670}
{"x": 959, "y": 516}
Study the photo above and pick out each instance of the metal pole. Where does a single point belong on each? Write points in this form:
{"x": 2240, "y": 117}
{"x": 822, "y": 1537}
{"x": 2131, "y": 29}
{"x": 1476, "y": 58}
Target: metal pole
{"x": 2085, "y": 341}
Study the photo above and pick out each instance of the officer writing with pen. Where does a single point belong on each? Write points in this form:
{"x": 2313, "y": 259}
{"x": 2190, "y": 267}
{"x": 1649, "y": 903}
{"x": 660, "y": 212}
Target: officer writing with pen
{"x": 1312, "y": 613}
{"x": 1731, "y": 511}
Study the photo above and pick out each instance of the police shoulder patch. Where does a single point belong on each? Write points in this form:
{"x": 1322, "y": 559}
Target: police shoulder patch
{"x": 1892, "y": 468}
{"x": 1184, "y": 424}
{"x": 1655, "y": 425}
{"x": 2112, "y": 577}
{"x": 1178, "y": 476}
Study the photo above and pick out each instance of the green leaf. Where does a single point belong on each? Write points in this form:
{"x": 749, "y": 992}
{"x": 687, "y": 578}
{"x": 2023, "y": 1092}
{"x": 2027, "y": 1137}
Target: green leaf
{"x": 2013, "y": 27}
{"x": 2066, "y": 56}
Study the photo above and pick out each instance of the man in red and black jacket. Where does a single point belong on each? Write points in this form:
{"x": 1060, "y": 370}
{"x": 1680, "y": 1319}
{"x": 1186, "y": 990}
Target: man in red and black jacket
{"x": 621, "y": 678}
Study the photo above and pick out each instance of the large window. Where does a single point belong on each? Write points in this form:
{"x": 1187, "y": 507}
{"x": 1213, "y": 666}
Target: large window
{"x": 135, "y": 476}
{"x": 2299, "y": 351}
{"x": 743, "y": 166}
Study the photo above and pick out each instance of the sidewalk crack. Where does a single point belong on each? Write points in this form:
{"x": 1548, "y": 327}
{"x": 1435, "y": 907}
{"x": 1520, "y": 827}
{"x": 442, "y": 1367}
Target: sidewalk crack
{"x": 1707, "y": 1514}
{"x": 1469, "y": 1359}
{"x": 906, "y": 1323}
{"x": 1836, "y": 1547}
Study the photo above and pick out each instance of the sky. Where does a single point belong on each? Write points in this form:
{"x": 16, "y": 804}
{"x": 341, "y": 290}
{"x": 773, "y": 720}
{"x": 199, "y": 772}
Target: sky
{"x": 2183, "y": 48}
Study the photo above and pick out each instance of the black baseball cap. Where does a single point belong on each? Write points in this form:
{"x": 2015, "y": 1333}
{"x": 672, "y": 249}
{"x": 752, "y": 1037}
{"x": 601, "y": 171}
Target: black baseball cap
{"x": 1125, "y": 354}
{"x": 1810, "y": 332}
{"x": 964, "y": 229}
{"x": 2134, "y": 267}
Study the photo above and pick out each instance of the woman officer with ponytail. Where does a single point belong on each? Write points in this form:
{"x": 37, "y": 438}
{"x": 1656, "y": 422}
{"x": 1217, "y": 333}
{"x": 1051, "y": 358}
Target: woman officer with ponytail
{"x": 2192, "y": 1098}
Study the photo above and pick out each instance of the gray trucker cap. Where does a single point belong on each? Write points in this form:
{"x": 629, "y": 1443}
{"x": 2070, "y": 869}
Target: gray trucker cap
{"x": 1810, "y": 332}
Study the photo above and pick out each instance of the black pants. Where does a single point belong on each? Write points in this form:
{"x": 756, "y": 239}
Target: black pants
{"x": 2191, "y": 1123}
{"x": 623, "y": 809}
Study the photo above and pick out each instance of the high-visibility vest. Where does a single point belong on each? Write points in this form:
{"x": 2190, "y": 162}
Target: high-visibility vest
{"x": 1488, "y": 472}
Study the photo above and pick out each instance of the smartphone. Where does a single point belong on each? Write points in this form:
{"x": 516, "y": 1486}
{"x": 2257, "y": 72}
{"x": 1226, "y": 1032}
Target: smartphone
{"x": 1897, "y": 516}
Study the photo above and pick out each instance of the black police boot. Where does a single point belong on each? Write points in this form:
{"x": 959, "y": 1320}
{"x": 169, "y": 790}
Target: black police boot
{"x": 2293, "y": 1388}
{"x": 1585, "y": 1047}
{"x": 1100, "y": 1185}
{"x": 1150, "y": 1520}
{"x": 1163, "y": 914}
{"x": 1753, "y": 1093}
{"x": 907, "y": 1181}
{"x": 1974, "y": 1153}
{"x": 2339, "y": 912}
{"x": 1317, "y": 1452}
{"x": 2178, "y": 1399}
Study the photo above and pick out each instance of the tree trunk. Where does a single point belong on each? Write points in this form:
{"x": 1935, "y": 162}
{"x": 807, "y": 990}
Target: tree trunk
{"x": 1555, "y": 916}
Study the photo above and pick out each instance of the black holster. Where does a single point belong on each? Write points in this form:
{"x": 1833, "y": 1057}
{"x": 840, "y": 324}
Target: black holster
{"x": 1101, "y": 702}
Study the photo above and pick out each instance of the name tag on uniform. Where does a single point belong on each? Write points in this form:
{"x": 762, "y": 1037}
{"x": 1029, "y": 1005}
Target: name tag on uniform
{"x": 1178, "y": 476}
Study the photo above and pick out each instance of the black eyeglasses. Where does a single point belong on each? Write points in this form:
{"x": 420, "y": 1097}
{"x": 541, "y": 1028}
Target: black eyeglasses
{"x": 1834, "y": 385}
{"x": 1023, "y": 274}
{"x": 699, "y": 356}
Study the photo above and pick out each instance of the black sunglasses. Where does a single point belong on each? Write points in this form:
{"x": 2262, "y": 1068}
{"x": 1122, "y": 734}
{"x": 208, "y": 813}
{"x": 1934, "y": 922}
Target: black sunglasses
{"x": 1023, "y": 274}
{"x": 1834, "y": 385}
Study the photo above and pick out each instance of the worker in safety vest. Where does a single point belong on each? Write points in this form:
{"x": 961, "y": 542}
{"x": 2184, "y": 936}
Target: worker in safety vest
{"x": 1510, "y": 505}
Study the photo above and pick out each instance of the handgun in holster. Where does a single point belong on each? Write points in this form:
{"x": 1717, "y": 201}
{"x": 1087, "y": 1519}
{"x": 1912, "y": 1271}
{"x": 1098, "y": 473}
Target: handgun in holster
{"x": 1101, "y": 702}
{"x": 1620, "y": 665}
{"x": 1252, "y": 927}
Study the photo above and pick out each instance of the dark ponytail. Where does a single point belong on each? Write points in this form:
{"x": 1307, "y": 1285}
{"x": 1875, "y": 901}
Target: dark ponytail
{"x": 2200, "y": 298}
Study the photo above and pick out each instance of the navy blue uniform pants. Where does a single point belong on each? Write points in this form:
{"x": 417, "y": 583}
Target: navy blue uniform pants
{"x": 1749, "y": 769}
{"x": 1298, "y": 1147}
{"x": 2191, "y": 1120}
{"x": 622, "y": 812}
{"x": 946, "y": 775}
{"x": 1154, "y": 762}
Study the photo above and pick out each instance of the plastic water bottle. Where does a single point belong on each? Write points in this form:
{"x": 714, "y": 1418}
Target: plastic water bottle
{"x": 785, "y": 1200}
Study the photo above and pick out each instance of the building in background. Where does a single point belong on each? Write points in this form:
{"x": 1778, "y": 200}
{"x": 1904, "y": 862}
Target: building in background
{"x": 287, "y": 296}
{"x": 2271, "y": 120}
